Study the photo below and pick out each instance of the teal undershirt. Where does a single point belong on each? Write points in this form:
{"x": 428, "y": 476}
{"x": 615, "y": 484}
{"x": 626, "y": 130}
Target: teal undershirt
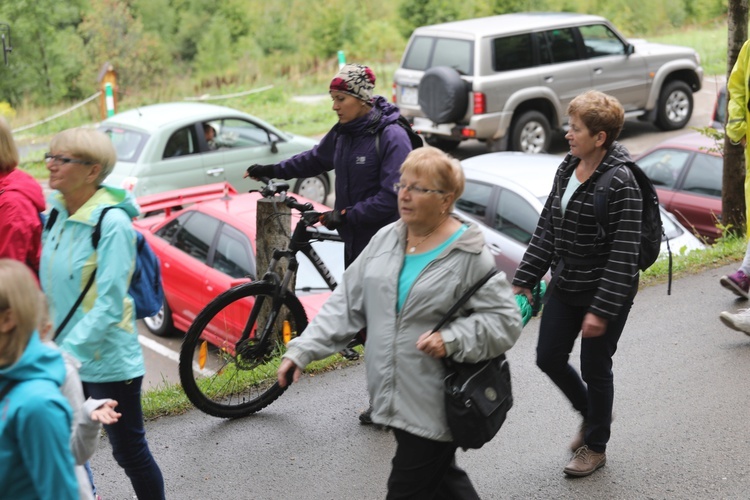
{"x": 413, "y": 265}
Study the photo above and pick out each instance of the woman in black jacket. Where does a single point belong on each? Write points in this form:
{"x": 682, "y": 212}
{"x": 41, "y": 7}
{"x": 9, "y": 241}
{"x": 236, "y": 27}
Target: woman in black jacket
{"x": 594, "y": 278}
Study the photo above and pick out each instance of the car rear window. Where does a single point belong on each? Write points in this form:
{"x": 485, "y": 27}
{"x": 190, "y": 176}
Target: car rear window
{"x": 426, "y": 52}
{"x": 128, "y": 143}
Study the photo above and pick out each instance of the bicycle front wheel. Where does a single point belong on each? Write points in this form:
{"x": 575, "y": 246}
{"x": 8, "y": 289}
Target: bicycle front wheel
{"x": 227, "y": 374}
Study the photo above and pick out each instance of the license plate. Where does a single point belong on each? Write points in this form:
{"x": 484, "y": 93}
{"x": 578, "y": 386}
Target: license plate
{"x": 409, "y": 96}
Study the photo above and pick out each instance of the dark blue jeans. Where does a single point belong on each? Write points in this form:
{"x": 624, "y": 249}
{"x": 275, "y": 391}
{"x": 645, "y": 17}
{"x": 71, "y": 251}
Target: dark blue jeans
{"x": 128, "y": 436}
{"x": 559, "y": 328}
{"x": 427, "y": 470}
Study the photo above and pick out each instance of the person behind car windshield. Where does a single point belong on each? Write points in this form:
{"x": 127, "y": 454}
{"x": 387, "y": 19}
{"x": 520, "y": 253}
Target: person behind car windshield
{"x": 407, "y": 277}
{"x": 21, "y": 202}
{"x": 102, "y": 332}
{"x": 35, "y": 419}
{"x": 738, "y": 116}
{"x": 594, "y": 282}
{"x": 365, "y": 200}
{"x": 210, "y": 134}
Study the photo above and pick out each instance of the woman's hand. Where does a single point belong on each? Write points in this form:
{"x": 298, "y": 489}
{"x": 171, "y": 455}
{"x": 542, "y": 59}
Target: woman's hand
{"x": 593, "y": 326}
{"x": 106, "y": 413}
{"x": 518, "y": 290}
{"x": 282, "y": 375}
{"x": 431, "y": 344}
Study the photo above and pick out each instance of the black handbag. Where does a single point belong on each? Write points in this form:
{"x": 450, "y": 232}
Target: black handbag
{"x": 477, "y": 395}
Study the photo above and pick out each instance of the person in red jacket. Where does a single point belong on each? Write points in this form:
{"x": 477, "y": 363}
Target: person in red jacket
{"x": 21, "y": 202}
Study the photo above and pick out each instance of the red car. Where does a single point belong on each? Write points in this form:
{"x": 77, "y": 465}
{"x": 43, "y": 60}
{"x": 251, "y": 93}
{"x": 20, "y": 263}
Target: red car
{"x": 687, "y": 171}
{"x": 209, "y": 246}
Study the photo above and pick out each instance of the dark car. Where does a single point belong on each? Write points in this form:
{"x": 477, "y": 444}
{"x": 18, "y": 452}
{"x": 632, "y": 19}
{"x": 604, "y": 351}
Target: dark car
{"x": 687, "y": 172}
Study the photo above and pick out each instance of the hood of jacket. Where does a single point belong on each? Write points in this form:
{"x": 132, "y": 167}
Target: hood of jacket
{"x": 37, "y": 362}
{"x": 20, "y": 182}
{"x": 380, "y": 116}
{"x": 104, "y": 196}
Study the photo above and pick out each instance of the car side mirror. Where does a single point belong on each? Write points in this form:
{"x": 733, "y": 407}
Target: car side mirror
{"x": 629, "y": 49}
{"x": 274, "y": 148}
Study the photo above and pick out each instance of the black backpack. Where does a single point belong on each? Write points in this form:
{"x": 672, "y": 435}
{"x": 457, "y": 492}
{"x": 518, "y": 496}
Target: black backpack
{"x": 416, "y": 140}
{"x": 652, "y": 230}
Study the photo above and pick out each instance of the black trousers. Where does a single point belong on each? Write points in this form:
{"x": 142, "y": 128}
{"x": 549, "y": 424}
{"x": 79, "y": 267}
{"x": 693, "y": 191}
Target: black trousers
{"x": 592, "y": 392}
{"x": 425, "y": 469}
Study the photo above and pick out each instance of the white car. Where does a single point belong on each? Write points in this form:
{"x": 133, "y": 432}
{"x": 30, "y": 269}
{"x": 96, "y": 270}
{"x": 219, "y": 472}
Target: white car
{"x": 506, "y": 192}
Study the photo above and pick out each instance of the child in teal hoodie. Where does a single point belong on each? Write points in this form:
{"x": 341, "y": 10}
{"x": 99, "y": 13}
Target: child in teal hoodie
{"x": 35, "y": 419}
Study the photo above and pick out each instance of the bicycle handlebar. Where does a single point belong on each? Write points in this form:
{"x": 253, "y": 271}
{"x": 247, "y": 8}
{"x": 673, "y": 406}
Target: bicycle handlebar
{"x": 273, "y": 188}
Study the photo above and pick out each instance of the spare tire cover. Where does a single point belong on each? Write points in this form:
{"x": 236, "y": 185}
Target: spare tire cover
{"x": 443, "y": 96}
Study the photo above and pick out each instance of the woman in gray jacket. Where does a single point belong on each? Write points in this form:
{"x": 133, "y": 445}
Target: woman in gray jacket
{"x": 411, "y": 272}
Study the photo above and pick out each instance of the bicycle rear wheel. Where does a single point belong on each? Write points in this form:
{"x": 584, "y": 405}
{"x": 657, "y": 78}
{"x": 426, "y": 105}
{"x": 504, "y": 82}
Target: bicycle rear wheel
{"x": 228, "y": 378}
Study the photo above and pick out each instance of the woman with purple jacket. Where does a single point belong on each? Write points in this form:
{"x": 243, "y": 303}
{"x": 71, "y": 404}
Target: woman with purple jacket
{"x": 365, "y": 149}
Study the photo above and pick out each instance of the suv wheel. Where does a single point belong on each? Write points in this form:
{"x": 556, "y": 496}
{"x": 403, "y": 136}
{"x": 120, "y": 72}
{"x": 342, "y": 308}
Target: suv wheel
{"x": 443, "y": 96}
{"x": 530, "y": 133}
{"x": 446, "y": 145}
{"x": 675, "y": 106}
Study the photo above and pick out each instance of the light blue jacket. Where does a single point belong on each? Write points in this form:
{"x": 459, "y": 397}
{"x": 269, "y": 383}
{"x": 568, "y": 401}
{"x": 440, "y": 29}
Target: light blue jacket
{"x": 35, "y": 457}
{"x": 102, "y": 333}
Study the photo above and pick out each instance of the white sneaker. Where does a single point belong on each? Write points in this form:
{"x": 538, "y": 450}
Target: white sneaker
{"x": 739, "y": 321}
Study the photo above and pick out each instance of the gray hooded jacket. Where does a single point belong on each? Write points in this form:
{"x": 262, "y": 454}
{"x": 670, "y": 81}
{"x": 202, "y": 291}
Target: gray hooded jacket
{"x": 404, "y": 383}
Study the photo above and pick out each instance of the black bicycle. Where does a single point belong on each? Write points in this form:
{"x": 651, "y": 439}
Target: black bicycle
{"x": 236, "y": 376}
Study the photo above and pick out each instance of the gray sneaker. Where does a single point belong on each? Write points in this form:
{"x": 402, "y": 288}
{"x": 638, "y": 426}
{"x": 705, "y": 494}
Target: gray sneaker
{"x": 585, "y": 462}
{"x": 739, "y": 321}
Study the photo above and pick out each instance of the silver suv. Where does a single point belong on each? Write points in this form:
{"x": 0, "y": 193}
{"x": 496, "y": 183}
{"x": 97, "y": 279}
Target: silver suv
{"x": 507, "y": 80}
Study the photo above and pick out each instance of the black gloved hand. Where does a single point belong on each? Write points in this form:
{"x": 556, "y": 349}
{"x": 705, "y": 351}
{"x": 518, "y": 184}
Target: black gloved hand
{"x": 333, "y": 219}
{"x": 257, "y": 171}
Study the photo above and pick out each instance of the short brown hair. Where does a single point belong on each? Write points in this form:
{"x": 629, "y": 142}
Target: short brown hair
{"x": 600, "y": 113}
{"x": 19, "y": 293}
{"x": 444, "y": 170}
{"x": 89, "y": 144}
{"x": 8, "y": 149}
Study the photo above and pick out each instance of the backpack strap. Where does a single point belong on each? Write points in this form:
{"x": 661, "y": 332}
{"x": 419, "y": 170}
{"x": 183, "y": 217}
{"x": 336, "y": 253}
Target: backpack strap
{"x": 51, "y": 218}
{"x": 95, "y": 237}
{"x": 601, "y": 201}
{"x": 8, "y": 387}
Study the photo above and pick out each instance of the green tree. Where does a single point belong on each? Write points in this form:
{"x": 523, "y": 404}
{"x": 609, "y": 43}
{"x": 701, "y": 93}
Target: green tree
{"x": 113, "y": 35}
{"x": 46, "y": 59}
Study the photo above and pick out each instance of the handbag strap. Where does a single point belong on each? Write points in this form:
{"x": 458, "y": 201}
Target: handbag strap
{"x": 462, "y": 300}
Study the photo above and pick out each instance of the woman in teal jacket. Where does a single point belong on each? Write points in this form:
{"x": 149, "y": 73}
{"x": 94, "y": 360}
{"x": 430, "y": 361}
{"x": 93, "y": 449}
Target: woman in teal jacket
{"x": 35, "y": 457}
{"x": 101, "y": 332}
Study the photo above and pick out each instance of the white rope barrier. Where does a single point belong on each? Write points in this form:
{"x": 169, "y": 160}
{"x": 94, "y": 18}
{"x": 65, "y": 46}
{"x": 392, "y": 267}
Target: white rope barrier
{"x": 58, "y": 115}
{"x": 207, "y": 97}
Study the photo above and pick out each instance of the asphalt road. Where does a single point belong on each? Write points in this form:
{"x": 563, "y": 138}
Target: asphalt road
{"x": 681, "y": 430}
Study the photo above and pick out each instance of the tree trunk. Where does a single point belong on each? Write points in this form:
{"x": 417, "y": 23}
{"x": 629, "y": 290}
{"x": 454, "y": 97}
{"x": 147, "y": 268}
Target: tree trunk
{"x": 733, "y": 184}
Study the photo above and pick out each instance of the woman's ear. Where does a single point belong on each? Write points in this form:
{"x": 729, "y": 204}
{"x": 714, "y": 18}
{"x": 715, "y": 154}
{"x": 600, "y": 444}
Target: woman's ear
{"x": 7, "y": 321}
{"x": 96, "y": 169}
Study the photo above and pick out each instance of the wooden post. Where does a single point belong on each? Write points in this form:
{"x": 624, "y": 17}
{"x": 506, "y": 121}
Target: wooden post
{"x": 272, "y": 230}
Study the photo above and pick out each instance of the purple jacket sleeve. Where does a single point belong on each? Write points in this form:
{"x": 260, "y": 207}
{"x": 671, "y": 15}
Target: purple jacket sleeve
{"x": 309, "y": 163}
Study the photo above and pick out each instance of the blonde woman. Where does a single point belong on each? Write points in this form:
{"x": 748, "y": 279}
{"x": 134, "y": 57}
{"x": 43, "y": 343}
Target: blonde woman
{"x": 101, "y": 332}
{"x": 406, "y": 278}
{"x": 35, "y": 419}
